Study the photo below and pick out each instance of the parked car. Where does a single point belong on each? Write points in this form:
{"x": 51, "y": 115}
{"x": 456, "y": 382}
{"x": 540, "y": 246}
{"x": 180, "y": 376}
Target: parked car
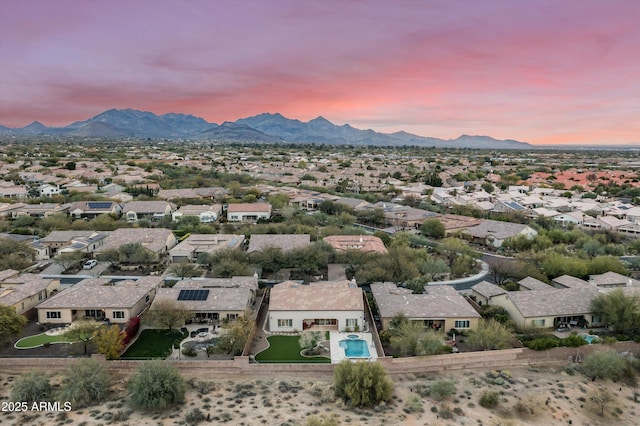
{"x": 90, "y": 264}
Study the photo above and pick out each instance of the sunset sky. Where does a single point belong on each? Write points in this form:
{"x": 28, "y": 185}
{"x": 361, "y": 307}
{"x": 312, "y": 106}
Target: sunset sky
{"x": 543, "y": 72}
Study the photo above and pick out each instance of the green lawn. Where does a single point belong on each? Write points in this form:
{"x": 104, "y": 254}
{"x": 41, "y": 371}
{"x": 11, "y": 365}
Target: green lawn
{"x": 39, "y": 340}
{"x": 154, "y": 344}
{"x": 286, "y": 349}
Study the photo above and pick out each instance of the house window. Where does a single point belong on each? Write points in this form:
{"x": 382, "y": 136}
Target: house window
{"x": 94, "y": 313}
{"x": 352, "y": 322}
{"x": 595, "y": 319}
{"x": 232, "y": 317}
{"x": 54, "y": 315}
{"x": 118, "y": 314}
{"x": 146, "y": 299}
{"x": 538, "y": 323}
{"x": 285, "y": 323}
{"x": 40, "y": 296}
{"x": 461, "y": 324}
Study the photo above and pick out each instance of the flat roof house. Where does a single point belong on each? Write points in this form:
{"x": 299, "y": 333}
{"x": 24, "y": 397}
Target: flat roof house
{"x": 441, "y": 307}
{"x": 100, "y": 299}
{"x": 248, "y": 212}
{"x": 330, "y": 305}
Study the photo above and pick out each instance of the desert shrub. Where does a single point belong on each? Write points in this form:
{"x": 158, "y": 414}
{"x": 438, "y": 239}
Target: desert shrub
{"x": 442, "y": 389}
{"x": 323, "y": 420}
{"x": 31, "y": 387}
{"x": 84, "y": 383}
{"x": 543, "y": 343}
{"x": 446, "y": 412}
{"x": 413, "y": 405}
{"x": 189, "y": 350}
{"x": 488, "y": 399}
{"x": 604, "y": 365}
{"x": 573, "y": 341}
{"x": 524, "y": 408}
{"x": 156, "y": 385}
{"x": 195, "y": 416}
{"x": 362, "y": 384}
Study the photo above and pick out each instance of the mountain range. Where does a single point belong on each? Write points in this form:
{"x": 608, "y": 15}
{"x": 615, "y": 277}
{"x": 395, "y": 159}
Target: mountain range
{"x": 261, "y": 128}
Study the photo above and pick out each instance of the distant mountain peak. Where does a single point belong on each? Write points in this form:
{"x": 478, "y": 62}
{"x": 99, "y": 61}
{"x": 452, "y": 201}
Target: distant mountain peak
{"x": 262, "y": 128}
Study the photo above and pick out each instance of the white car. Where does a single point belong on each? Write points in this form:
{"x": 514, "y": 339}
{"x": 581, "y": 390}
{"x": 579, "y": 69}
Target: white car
{"x": 90, "y": 264}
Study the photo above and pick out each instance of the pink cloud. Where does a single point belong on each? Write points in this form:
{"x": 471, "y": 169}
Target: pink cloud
{"x": 540, "y": 71}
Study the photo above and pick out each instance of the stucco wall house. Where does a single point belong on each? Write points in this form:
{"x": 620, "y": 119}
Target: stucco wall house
{"x": 335, "y": 305}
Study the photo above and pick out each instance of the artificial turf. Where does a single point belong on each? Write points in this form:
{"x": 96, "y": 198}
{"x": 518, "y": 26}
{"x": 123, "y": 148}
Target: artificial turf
{"x": 39, "y": 340}
{"x": 285, "y": 349}
{"x": 154, "y": 344}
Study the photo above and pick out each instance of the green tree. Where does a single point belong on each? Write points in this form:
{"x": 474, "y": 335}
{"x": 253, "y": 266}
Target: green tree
{"x": 602, "y": 264}
{"x": 109, "y": 341}
{"x": 555, "y": 265}
{"x": 433, "y": 228}
{"x": 309, "y": 340}
{"x": 11, "y": 323}
{"x": 606, "y": 365}
{"x": 619, "y": 310}
{"x": 185, "y": 270}
{"x": 270, "y": 259}
{"x": 411, "y": 338}
{"x": 111, "y": 256}
{"x": 86, "y": 382}
{"x": 167, "y": 313}
{"x": 362, "y": 384}
{"x": 105, "y": 222}
{"x": 68, "y": 259}
{"x": 452, "y": 248}
{"x": 15, "y": 255}
{"x": 31, "y": 387}
{"x": 234, "y": 339}
{"x": 156, "y": 385}
{"x": 489, "y": 335}
{"x": 83, "y": 331}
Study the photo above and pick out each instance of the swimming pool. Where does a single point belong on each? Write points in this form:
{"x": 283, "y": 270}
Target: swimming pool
{"x": 590, "y": 338}
{"x": 355, "y": 348}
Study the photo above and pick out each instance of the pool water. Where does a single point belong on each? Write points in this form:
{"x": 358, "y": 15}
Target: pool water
{"x": 590, "y": 338}
{"x": 355, "y": 348}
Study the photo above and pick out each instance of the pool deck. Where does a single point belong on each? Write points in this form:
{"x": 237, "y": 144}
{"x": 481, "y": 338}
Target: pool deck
{"x": 337, "y": 353}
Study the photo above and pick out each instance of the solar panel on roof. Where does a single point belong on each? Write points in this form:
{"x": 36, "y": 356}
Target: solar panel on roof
{"x": 99, "y": 205}
{"x": 193, "y": 295}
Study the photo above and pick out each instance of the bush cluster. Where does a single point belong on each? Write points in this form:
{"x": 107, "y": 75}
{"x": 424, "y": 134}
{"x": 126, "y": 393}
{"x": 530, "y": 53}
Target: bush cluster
{"x": 133, "y": 325}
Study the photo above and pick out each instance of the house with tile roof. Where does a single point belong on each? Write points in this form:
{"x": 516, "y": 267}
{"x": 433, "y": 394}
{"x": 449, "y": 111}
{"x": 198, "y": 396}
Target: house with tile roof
{"x": 258, "y": 242}
{"x": 24, "y": 292}
{"x": 153, "y": 210}
{"x": 484, "y": 292}
{"x": 93, "y": 209}
{"x": 68, "y": 241}
{"x": 337, "y": 305}
{"x": 100, "y": 299}
{"x": 248, "y": 212}
{"x": 440, "y": 307}
{"x": 191, "y": 247}
{"x": 494, "y": 232}
{"x": 157, "y": 240}
{"x": 364, "y": 243}
{"x": 205, "y": 213}
{"x": 212, "y": 299}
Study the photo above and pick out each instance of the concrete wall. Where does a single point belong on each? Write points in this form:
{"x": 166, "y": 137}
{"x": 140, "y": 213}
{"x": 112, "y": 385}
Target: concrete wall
{"x": 240, "y": 366}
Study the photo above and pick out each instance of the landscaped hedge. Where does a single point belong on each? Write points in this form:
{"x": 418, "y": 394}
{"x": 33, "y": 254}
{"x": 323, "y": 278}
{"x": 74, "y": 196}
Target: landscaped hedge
{"x": 549, "y": 342}
{"x": 133, "y": 325}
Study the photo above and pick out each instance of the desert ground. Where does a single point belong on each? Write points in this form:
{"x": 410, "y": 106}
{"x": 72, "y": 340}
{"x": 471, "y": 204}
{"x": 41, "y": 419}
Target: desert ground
{"x": 527, "y": 396}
